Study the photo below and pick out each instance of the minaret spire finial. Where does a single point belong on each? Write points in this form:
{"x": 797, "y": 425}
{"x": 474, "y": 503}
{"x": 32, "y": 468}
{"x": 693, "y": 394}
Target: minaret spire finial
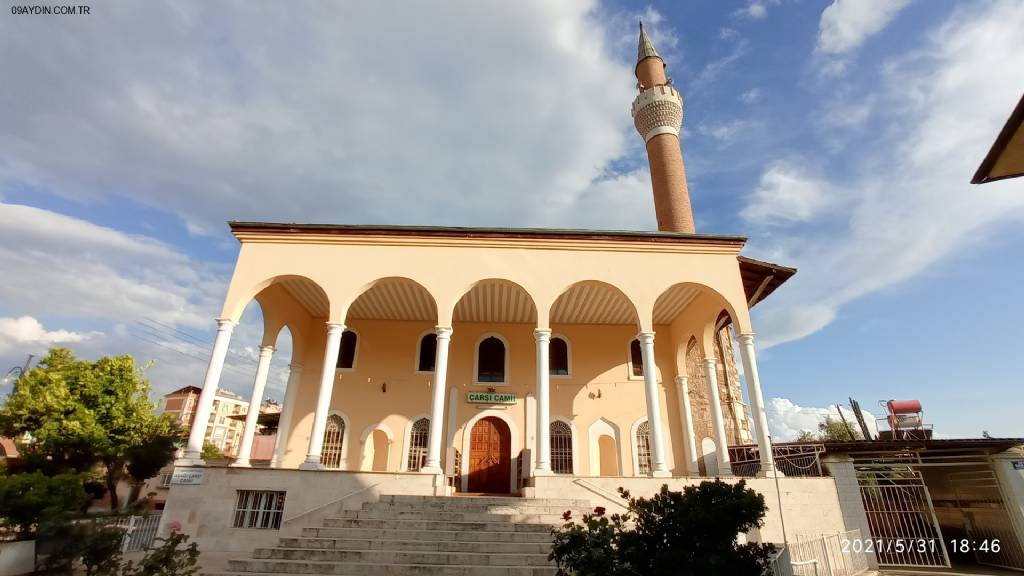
{"x": 646, "y": 47}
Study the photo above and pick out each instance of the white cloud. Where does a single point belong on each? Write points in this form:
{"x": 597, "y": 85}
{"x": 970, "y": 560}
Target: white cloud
{"x": 787, "y": 420}
{"x": 787, "y": 194}
{"x": 326, "y": 116}
{"x": 72, "y": 268}
{"x": 907, "y": 204}
{"x": 726, "y": 133}
{"x": 711, "y": 71}
{"x": 755, "y": 9}
{"x": 752, "y": 96}
{"x": 846, "y": 24}
{"x": 27, "y": 331}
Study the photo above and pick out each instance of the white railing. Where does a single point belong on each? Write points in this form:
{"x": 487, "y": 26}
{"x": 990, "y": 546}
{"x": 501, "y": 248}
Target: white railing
{"x": 141, "y": 532}
{"x": 827, "y": 555}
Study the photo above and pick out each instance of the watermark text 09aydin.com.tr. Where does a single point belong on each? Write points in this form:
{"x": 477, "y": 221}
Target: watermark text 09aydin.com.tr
{"x": 50, "y": 9}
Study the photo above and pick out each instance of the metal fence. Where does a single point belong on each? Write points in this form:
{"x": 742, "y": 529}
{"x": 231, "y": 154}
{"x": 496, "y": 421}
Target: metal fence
{"x": 140, "y": 532}
{"x": 825, "y": 555}
{"x": 790, "y": 459}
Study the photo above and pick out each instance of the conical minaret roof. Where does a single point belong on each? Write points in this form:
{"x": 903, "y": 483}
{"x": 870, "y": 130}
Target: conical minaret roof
{"x": 646, "y": 47}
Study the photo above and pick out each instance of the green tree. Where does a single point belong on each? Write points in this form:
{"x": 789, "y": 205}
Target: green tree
{"x": 79, "y": 414}
{"x": 211, "y": 452}
{"x": 688, "y": 532}
{"x": 27, "y": 498}
{"x": 831, "y": 430}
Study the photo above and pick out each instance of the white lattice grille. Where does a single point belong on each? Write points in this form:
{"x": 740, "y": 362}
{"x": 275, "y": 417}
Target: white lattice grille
{"x": 334, "y": 436}
{"x": 561, "y": 447}
{"x": 418, "y": 444}
{"x": 643, "y": 448}
{"x": 258, "y": 509}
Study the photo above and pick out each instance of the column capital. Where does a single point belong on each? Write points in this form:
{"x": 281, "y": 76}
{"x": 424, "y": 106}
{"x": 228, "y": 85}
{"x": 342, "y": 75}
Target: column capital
{"x": 645, "y": 337}
{"x": 710, "y": 362}
{"x": 334, "y": 327}
{"x": 542, "y": 334}
{"x": 443, "y": 332}
{"x": 747, "y": 338}
{"x": 226, "y": 324}
{"x": 682, "y": 381}
{"x": 267, "y": 350}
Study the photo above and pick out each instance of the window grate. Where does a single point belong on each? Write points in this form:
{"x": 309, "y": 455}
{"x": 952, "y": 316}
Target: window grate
{"x": 418, "y": 444}
{"x": 334, "y": 435}
{"x": 643, "y": 448}
{"x": 561, "y": 447}
{"x": 258, "y": 509}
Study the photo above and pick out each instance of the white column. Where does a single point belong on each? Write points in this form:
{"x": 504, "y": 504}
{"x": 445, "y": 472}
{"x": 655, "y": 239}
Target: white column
{"x": 659, "y": 468}
{"x": 255, "y": 402}
{"x": 764, "y": 443}
{"x": 194, "y": 448}
{"x": 686, "y": 417}
{"x": 287, "y": 409}
{"x": 542, "y": 458}
{"x": 323, "y": 401}
{"x": 717, "y": 420}
{"x": 433, "y": 463}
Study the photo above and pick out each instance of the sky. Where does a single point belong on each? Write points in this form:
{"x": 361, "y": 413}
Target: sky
{"x": 839, "y": 137}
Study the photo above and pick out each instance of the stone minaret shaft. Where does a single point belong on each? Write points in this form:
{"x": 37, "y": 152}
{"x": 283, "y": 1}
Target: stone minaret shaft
{"x": 658, "y": 117}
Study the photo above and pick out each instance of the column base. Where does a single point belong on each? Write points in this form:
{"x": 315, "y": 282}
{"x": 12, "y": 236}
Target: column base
{"x": 543, "y": 472}
{"x": 308, "y": 465}
{"x": 187, "y": 462}
{"x": 770, "y": 473}
{"x": 431, "y": 470}
{"x": 661, "y": 474}
{"x": 240, "y": 464}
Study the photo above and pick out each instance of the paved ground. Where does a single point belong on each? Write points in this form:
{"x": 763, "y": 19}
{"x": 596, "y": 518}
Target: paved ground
{"x": 955, "y": 571}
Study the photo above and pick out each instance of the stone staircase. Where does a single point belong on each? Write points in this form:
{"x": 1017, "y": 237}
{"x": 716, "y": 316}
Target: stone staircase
{"x": 422, "y": 536}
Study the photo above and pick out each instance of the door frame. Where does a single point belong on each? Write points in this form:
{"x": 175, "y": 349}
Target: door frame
{"x": 516, "y": 446}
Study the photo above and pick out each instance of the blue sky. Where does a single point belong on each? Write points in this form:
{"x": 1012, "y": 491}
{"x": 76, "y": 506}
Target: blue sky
{"x": 839, "y": 137}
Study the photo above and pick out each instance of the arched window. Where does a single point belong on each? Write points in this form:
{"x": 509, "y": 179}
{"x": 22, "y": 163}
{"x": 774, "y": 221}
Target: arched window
{"x": 561, "y": 447}
{"x": 636, "y": 358}
{"x": 428, "y": 353}
{"x": 418, "y": 436}
{"x": 491, "y": 360}
{"x": 347, "y": 350}
{"x": 643, "y": 448}
{"x": 558, "y": 357}
{"x": 334, "y": 438}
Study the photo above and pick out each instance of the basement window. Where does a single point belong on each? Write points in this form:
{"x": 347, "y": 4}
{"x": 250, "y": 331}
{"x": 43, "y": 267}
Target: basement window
{"x": 258, "y": 509}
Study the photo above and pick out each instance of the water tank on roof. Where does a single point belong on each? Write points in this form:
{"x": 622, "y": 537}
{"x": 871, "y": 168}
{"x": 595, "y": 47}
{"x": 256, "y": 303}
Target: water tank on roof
{"x": 904, "y": 406}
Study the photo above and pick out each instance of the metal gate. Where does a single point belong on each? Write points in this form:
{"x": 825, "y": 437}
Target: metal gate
{"x": 904, "y": 530}
{"x": 991, "y": 537}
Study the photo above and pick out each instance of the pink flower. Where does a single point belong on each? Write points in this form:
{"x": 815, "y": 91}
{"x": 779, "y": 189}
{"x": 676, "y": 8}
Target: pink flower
{"x": 174, "y": 526}
{"x": 567, "y": 515}
{"x": 599, "y": 510}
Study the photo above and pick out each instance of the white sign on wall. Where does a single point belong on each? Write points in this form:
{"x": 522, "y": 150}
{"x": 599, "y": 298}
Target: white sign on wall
{"x": 187, "y": 476}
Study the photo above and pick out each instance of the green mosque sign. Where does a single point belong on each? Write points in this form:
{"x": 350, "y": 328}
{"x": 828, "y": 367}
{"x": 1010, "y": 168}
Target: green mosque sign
{"x": 492, "y": 398}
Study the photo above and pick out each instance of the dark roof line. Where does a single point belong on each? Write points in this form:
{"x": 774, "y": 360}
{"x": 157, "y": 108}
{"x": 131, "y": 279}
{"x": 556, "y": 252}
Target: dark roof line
{"x": 478, "y": 232}
{"x": 1013, "y": 123}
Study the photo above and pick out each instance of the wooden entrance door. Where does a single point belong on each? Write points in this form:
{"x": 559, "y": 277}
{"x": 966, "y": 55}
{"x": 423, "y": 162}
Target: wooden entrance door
{"x": 490, "y": 456}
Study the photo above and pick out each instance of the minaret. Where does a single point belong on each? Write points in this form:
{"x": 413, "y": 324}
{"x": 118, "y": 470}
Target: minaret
{"x": 658, "y": 116}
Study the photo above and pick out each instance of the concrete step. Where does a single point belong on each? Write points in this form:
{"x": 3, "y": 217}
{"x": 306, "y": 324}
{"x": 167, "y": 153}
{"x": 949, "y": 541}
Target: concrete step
{"x": 250, "y": 567}
{"x": 444, "y": 535}
{"x": 501, "y": 546}
{"x": 494, "y": 525}
{"x": 401, "y": 557}
{"x": 450, "y": 516}
{"x": 486, "y": 509}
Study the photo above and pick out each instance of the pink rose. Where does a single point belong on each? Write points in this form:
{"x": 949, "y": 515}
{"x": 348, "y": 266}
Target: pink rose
{"x": 174, "y": 526}
{"x": 567, "y": 515}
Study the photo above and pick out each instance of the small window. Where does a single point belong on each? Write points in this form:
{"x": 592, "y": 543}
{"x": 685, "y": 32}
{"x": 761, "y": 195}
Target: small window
{"x": 561, "y": 447}
{"x": 491, "y": 360}
{"x": 558, "y": 357}
{"x": 636, "y": 358}
{"x": 258, "y": 509}
{"x": 347, "y": 351}
{"x": 643, "y": 448}
{"x": 428, "y": 353}
{"x": 418, "y": 444}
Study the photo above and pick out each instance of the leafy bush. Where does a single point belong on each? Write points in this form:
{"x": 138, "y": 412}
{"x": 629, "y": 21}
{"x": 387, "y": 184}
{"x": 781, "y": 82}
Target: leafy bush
{"x": 25, "y": 499}
{"x": 167, "y": 559}
{"x": 688, "y": 532}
